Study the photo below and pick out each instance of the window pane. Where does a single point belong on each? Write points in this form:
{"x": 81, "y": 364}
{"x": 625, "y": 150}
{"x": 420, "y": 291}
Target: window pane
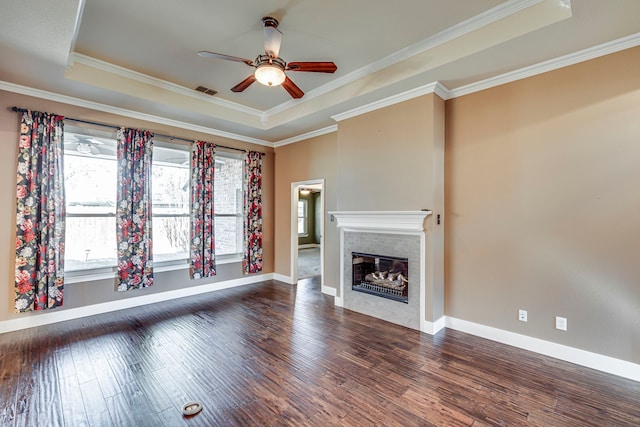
{"x": 90, "y": 184}
{"x": 90, "y": 174}
{"x": 228, "y": 236}
{"x": 170, "y": 188}
{"x": 90, "y": 243}
{"x": 170, "y": 238}
{"x": 301, "y": 227}
{"x": 170, "y": 181}
{"x": 228, "y": 185}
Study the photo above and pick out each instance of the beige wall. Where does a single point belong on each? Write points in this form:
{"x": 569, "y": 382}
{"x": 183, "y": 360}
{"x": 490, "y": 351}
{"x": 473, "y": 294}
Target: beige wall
{"x": 312, "y": 159}
{"x": 392, "y": 160}
{"x": 543, "y": 200}
{"x": 83, "y": 294}
{"x": 385, "y": 158}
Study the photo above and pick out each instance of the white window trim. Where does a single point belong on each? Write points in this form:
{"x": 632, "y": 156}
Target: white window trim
{"x": 96, "y": 274}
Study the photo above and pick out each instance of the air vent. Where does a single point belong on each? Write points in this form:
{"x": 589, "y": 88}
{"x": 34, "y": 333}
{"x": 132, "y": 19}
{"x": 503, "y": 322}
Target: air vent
{"x": 206, "y": 90}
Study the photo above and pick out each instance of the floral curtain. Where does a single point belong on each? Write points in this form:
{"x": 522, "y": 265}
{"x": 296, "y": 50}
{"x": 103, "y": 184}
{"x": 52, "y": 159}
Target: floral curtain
{"x": 133, "y": 212}
{"x": 39, "y": 269}
{"x": 252, "y": 260}
{"x": 203, "y": 246}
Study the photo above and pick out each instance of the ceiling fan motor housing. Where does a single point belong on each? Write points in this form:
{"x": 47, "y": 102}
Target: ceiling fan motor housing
{"x": 268, "y": 21}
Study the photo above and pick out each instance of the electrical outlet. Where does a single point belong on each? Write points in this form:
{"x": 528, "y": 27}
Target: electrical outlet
{"x": 522, "y": 315}
{"x": 561, "y": 323}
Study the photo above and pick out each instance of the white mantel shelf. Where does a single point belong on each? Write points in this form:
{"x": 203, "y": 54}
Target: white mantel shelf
{"x": 382, "y": 221}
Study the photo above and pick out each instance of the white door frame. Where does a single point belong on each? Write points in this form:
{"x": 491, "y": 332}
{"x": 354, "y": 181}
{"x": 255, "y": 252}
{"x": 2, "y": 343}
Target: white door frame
{"x": 294, "y": 227}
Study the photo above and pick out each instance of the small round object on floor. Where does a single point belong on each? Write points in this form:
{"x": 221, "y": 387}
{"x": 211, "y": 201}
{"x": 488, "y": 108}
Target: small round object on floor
{"x": 191, "y": 408}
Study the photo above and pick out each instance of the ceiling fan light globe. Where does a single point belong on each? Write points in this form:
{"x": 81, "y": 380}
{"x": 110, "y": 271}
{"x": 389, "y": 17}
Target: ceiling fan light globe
{"x": 270, "y": 75}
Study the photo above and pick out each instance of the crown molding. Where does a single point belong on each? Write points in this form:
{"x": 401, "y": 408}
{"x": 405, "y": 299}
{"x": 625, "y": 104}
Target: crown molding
{"x": 308, "y": 135}
{"x": 76, "y": 30}
{"x": 50, "y": 96}
{"x": 435, "y": 87}
{"x": 553, "y": 64}
{"x": 162, "y": 84}
{"x": 475, "y": 22}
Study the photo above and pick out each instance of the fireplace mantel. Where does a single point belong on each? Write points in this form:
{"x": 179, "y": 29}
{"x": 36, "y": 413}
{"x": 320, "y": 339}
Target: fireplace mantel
{"x": 398, "y": 225}
{"x": 381, "y": 221}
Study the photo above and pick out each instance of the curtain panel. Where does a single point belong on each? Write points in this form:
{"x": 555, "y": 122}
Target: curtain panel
{"x": 203, "y": 246}
{"x": 133, "y": 211}
{"x": 40, "y": 218}
{"x": 252, "y": 259}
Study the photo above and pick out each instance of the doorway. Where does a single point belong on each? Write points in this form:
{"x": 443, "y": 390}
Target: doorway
{"x": 307, "y": 230}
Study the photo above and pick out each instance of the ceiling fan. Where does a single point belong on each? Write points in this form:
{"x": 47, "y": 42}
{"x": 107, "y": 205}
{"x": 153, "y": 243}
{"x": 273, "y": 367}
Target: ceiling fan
{"x": 269, "y": 68}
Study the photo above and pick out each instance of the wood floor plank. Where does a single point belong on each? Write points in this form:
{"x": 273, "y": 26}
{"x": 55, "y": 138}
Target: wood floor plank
{"x": 27, "y": 389}
{"x": 95, "y": 405}
{"x": 74, "y": 412}
{"x": 272, "y": 354}
{"x": 9, "y": 378}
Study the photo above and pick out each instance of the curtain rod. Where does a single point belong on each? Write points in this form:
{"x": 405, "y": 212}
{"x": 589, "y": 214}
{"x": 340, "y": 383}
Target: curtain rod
{"x": 160, "y": 135}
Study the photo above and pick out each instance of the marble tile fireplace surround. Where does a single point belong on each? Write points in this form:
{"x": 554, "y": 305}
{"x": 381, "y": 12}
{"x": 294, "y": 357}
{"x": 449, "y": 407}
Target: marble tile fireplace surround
{"x": 393, "y": 234}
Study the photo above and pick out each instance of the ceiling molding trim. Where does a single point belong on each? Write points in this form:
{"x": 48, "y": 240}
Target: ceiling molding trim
{"x": 435, "y": 87}
{"x": 550, "y": 65}
{"x": 308, "y": 135}
{"x": 162, "y": 84}
{"x": 475, "y": 22}
{"x": 50, "y": 96}
{"x": 76, "y": 31}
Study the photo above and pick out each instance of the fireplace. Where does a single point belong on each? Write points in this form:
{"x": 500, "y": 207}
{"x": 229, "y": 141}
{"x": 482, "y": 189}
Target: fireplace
{"x": 381, "y": 275}
{"x": 400, "y": 236}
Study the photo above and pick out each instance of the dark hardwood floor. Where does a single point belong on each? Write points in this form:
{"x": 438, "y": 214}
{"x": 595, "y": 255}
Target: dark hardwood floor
{"x": 273, "y": 354}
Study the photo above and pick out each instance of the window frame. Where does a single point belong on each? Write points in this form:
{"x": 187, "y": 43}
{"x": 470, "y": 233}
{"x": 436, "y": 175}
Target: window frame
{"x": 110, "y": 272}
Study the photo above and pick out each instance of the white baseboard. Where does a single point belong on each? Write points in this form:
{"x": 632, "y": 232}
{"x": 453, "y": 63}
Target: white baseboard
{"x": 53, "y": 316}
{"x": 328, "y": 290}
{"x": 596, "y": 361}
{"x": 309, "y": 246}
{"x": 433, "y": 328}
{"x": 283, "y": 278}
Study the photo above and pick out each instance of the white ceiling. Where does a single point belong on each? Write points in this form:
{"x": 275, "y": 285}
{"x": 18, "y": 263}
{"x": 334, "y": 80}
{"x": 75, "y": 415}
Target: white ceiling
{"x": 140, "y": 56}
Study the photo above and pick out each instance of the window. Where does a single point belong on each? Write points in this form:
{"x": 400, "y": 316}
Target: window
{"x": 170, "y": 203}
{"x": 302, "y": 217}
{"x": 228, "y": 199}
{"x": 90, "y": 189}
{"x": 91, "y": 185}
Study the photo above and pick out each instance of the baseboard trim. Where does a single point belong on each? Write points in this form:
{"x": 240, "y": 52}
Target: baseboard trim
{"x": 328, "y": 290}
{"x": 309, "y": 246}
{"x": 607, "y": 364}
{"x": 46, "y": 318}
{"x": 283, "y": 278}
{"x": 432, "y": 328}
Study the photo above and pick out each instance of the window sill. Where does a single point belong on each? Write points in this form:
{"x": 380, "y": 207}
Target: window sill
{"x": 81, "y": 276}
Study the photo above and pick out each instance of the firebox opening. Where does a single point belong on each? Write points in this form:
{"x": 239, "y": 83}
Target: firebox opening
{"x": 381, "y": 275}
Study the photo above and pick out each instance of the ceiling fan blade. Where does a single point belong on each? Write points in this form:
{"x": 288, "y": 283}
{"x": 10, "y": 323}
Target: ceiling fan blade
{"x": 244, "y": 84}
{"x": 291, "y": 87}
{"x": 206, "y": 54}
{"x": 315, "y": 67}
{"x": 272, "y": 36}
